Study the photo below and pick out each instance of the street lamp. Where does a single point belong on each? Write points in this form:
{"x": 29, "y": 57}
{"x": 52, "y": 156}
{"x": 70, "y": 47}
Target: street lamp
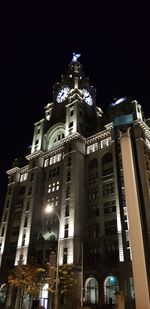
{"x": 50, "y": 209}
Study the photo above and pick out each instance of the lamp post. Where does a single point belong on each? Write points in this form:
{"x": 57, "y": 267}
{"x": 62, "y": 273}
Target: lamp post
{"x": 50, "y": 209}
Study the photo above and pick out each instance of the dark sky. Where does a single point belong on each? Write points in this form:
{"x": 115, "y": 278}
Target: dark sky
{"x": 37, "y": 40}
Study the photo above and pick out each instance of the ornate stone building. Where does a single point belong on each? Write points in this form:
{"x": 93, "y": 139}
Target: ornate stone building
{"x": 75, "y": 166}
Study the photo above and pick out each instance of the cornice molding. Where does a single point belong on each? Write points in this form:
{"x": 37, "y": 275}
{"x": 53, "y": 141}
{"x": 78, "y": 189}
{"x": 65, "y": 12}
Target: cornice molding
{"x": 98, "y": 136}
{"x": 13, "y": 170}
{"x": 34, "y": 155}
{"x": 143, "y": 126}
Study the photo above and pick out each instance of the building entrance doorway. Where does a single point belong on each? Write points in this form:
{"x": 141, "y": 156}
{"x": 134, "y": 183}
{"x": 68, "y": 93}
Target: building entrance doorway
{"x": 91, "y": 291}
{"x": 110, "y": 289}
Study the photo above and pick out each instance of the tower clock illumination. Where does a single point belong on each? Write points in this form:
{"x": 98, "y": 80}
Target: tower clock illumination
{"x": 87, "y": 97}
{"x": 62, "y": 94}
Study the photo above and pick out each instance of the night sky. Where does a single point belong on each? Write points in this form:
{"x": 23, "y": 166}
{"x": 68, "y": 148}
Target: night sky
{"x": 37, "y": 41}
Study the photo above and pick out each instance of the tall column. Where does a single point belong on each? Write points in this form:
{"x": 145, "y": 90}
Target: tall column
{"x": 9, "y": 297}
{"x": 136, "y": 238}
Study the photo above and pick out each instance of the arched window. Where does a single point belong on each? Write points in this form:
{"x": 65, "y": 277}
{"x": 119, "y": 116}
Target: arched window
{"x": 91, "y": 291}
{"x": 110, "y": 289}
{"x": 44, "y": 296}
{"x": 93, "y": 164}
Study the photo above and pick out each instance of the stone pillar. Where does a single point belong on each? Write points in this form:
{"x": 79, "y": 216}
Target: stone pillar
{"x": 8, "y": 298}
{"x": 120, "y": 298}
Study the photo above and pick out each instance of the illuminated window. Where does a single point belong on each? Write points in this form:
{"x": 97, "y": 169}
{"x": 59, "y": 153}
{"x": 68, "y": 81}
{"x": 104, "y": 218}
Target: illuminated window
{"x": 91, "y": 291}
{"x": 46, "y": 162}
{"x": 57, "y": 185}
{"x": 92, "y": 148}
{"x": 55, "y": 159}
{"x": 53, "y": 187}
{"x": 105, "y": 142}
{"x": 110, "y": 288}
{"x": 23, "y": 177}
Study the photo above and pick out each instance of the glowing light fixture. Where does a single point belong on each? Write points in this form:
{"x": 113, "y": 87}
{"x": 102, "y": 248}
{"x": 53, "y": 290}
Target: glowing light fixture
{"x": 119, "y": 101}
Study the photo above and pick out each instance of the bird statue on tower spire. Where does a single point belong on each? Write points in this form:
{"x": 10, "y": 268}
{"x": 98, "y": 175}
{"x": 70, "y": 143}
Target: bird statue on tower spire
{"x": 75, "y": 57}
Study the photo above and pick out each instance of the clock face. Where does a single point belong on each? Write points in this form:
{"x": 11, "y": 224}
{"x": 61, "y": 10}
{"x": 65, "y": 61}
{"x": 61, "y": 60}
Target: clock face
{"x": 87, "y": 97}
{"x": 62, "y": 94}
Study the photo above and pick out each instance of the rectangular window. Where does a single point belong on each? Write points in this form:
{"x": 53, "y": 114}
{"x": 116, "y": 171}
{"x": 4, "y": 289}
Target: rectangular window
{"x": 7, "y": 204}
{"x": 71, "y": 124}
{"x": 67, "y": 211}
{"x": 23, "y": 240}
{"x": 71, "y": 112}
{"x": 30, "y": 191}
{"x": 65, "y": 255}
{"x": 23, "y": 177}
{"x": 3, "y": 230}
{"x": 28, "y": 206}
{"x": 69, "y": 148}
{"x": 31, "y": 177}
{"x": 69, "y": 162}
{"x": 66, "y": 230}
{"x": 26, "y": 222}
{"x": 22, "y": 190}
{"x": 109, "y": 207}
{"x": 5, "y": 216}
{"x": 17, "y": 216}
{"x": 111, "y": 227}
{"x": 49, "y": 188}
{"x": 57, "y": 185}
{"x": 50, "y": 174}
{"x": 38, "y": 130}
{"x": 68, "y": 176}
{"x": 46, "y": 162}
{"x": 108, "y": 188}
{"x": 68, "y": 191}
